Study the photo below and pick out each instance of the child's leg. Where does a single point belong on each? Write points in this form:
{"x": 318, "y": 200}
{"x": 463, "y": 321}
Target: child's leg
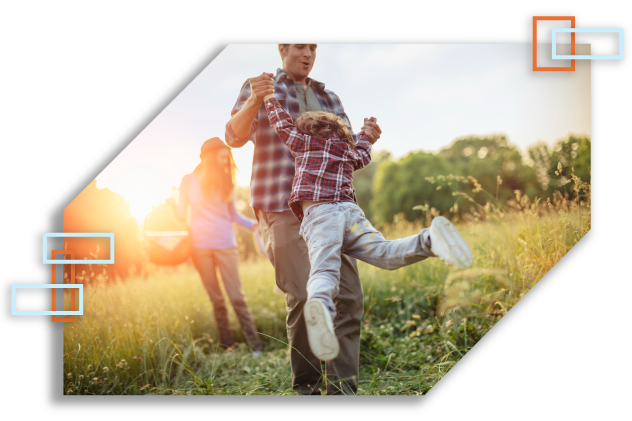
{"x": 323, "y": 230}
{"x": 365, "y": 243}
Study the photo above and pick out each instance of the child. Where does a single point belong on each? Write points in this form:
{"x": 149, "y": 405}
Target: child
{"x": 323, "y": 199}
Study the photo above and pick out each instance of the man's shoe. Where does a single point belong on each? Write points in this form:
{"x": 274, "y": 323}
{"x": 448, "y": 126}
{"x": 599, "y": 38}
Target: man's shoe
{"x": 448, "y": 245}
{"x": 320, "y": 331}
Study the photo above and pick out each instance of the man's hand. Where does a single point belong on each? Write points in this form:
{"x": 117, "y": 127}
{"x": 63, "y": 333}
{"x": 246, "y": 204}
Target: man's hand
{"x": 261, "y": 86}
{"x": 371, "y": 129}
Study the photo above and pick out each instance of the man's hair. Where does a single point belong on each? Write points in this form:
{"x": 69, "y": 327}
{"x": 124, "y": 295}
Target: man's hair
{"x": 285, "y": 46}
{"x": 322, "y": 124}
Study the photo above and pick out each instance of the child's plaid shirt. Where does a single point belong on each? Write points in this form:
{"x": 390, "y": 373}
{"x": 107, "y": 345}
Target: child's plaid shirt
{"x": 272, "y": 162}
{"x": 324, "y": 166}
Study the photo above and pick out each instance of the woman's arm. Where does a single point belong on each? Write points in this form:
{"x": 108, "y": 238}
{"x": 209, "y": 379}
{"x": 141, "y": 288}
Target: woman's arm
{"x": 240, "y": 219}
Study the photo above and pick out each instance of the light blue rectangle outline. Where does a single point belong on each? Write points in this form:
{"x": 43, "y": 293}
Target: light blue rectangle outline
{"x": 79, "y": 234}
{"x": 589, "y": 57}
{"x": 15, "y": 312}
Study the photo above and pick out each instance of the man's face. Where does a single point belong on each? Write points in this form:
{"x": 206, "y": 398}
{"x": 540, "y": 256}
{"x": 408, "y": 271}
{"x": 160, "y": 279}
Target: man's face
{"x": 298, "y": 60}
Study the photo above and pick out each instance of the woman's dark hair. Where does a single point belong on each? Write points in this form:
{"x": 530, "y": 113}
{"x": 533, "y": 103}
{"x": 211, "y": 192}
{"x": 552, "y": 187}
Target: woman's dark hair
{"x": 322, "y": 124}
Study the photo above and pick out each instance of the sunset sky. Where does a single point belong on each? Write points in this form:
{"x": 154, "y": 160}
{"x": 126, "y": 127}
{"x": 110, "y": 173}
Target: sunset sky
{"x": 423, "y": 95}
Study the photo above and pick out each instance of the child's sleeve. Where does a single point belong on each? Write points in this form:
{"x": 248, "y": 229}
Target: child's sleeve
{"x": 283, "y": 125}
{"x": 362, "y": 151}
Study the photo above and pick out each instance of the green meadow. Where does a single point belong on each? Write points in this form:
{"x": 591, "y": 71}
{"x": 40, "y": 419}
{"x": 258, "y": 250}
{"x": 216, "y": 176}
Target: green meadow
{"x": 154, "y": 333}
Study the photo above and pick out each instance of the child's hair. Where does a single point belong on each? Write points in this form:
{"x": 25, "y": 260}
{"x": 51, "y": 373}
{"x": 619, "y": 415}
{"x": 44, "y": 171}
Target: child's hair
{"x": 322, "y": 124}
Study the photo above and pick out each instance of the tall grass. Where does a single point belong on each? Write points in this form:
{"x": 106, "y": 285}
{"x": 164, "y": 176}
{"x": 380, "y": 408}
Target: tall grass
{"x": 155, "y": 334}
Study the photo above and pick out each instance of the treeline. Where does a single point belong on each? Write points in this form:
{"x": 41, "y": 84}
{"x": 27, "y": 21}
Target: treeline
{"x": 388, "y": 187}
{"x": 384, "y": 189}
{"x": 102, "y": 210}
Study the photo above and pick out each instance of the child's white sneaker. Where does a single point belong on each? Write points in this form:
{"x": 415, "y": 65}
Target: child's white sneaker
{"x": 448, "y": 245}
{"x": 320, "y": 331}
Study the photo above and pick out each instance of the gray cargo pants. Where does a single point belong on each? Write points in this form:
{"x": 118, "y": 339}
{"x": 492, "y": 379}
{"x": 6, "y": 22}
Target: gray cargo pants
{"x": 288, "y": 253}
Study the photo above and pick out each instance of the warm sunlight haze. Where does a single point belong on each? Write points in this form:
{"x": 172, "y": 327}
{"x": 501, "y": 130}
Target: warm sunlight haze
{"x": 427, "y": 98}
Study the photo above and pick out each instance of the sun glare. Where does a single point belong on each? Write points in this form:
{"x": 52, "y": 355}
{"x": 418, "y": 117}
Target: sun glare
{"x": 141, "y": 200}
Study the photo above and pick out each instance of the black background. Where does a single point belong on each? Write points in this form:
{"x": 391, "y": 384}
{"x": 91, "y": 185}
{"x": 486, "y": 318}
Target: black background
{"x": 77, "y": 99}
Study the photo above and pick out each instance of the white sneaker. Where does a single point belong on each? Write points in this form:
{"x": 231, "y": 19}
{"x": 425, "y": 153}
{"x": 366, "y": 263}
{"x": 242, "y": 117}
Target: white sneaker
{"x": 320, "y": 331}
{"x": 448, "y": 245}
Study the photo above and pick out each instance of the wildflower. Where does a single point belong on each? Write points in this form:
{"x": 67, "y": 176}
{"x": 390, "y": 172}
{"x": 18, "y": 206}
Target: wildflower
{"x": 429, "y": 329}
{"x": 90, "y": 367}
{"x": 81, "y": 377}
{"x": 105, "y": 369}
{"x": 69, "y": 375}
{"x": 96, "y": 379}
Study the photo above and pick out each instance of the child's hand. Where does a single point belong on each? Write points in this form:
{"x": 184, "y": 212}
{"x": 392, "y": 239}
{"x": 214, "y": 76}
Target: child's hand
{"x": 270, "y": 85}
{"x": 262, "y": 87}
{"x": 371, "y": 129}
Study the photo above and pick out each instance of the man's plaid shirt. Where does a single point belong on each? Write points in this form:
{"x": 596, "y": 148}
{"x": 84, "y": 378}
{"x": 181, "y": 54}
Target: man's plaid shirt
{"x": 324, "y": 166}
{"x": 273, "y": 163}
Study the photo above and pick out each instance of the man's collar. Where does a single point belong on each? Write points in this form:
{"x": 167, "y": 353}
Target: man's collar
{"x": 280, "y": 75}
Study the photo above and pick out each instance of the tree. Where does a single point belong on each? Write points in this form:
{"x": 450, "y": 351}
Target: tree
{"x": 101, "y": 210}
{"x": 400, "y": 185}
{"x": 571, "y": 154}
{"x": 487, "y": 158}
{"x": 363, "y": 182}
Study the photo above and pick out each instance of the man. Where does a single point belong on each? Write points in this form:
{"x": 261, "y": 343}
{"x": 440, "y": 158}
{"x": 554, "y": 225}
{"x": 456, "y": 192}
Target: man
{"x": 270, "y": 188}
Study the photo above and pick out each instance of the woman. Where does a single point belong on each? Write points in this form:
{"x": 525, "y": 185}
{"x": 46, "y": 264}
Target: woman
{"x": 210, "y": 191}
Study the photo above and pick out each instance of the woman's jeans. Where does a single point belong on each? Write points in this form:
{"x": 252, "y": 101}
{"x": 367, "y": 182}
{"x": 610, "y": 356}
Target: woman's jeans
{"x": 340, "y": 227}
{"x": 227, "y": 261}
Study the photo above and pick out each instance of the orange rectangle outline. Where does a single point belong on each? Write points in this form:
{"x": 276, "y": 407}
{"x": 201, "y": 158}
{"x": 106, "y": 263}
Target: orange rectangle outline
{"x": 72, "y": 291}
{"x": 535, "y": 44}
